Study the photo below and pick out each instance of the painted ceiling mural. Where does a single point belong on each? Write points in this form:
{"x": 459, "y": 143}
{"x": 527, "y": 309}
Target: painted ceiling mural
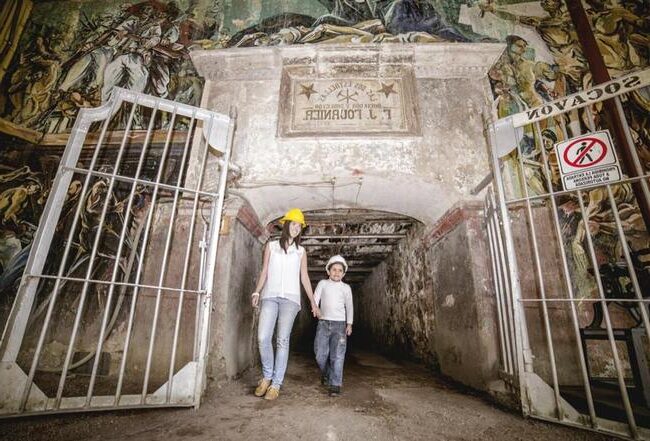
{"x": 72, "y": 53}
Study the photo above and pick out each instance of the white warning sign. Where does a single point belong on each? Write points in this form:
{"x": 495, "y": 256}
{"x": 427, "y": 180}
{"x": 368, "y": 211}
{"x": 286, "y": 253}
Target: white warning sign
{"x": 587, "y": 160}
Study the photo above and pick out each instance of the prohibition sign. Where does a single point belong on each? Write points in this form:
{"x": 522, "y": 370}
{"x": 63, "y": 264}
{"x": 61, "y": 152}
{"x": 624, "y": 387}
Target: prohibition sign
{"x": 585, "y": 152}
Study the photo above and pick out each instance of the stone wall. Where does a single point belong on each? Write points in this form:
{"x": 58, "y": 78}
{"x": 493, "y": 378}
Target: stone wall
{"x": 433, "y": 299}
{"x": 233, "y": 343}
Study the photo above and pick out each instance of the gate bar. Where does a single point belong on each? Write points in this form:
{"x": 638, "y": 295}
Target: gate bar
{"x": 540, "y": 279}
{"x": 122, "y": 240}
{"x": 164, "y": 266}
{"x": 91, "y": 264}
{"x": 509, "y": 308}
{"x": 497, "y": 288}
{"x": 69, "y": 158}
{"x": 567, "y": 280}
{"x": 152, "y": 204}
{"x": 144, "y": 182}
{"x": 181, "y": 297}
{"x": 608, "y": 324}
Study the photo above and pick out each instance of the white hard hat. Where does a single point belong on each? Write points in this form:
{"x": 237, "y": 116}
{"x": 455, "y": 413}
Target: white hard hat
{"x": 337, "y": 259}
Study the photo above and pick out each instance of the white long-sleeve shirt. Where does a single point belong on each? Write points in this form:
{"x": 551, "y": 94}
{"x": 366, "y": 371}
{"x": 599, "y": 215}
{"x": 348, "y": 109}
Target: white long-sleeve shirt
{"x": 334, "y": 300}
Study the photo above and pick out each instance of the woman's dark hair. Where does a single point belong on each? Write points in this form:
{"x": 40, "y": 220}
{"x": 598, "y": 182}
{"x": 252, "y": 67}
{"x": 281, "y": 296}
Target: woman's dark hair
{"x": 284, "y": 238}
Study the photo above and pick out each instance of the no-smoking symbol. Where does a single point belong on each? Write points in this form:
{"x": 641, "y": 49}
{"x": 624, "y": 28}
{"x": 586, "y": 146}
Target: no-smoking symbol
{"x": 585, "y": 152}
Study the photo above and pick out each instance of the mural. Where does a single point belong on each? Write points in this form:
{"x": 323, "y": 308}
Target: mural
{"x": 531, "y": 72}
{"x": 71, "y": 54}
{"x": 351, "y": 21}
{"x": 72, "y": 59}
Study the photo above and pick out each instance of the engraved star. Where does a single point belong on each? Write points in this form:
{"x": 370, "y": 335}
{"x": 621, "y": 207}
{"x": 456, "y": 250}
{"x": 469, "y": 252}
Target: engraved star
{"x": 308, "y": 91}
{"x": 387, "y": 89}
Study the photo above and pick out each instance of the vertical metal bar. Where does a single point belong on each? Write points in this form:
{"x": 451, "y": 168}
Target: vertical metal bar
{"x": 567, "y": 280}
{"x": 91, "y": 261}
{"x": 497, "y": 287}
{"x": 608, "y": 323}
{"x": 502, "y": 279}
{"x": 628, "y": 260}
{"x": 540, "y": 280}
{"x": 118, "y": 255}
{"x": 69, "y": 159}
{"x": 524, "y": 355}
{"x": 211, "y": 263}
{"x": 199, "y": 288}
{"x": 508, "y": 297}
{"x": 633, "y": 153}
{"x": 147, "y": 229}
{"x": 188, "y": 249}
{"x": 163, "y": 269}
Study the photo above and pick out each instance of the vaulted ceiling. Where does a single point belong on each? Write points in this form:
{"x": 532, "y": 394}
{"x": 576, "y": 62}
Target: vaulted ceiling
{"x": 364, "y": 238}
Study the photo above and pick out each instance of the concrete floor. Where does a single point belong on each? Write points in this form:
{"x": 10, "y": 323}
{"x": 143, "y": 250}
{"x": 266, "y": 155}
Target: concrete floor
{"x": 381, "y": 400}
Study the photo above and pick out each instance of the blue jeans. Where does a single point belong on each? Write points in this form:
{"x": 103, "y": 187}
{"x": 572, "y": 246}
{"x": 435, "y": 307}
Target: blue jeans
{"x": 329, "y": 346}
{"x": 280, "y": 311}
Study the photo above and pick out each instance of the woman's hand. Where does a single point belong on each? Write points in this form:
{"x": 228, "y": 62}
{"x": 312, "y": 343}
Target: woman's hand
{"x": 315, "y": 310}
{"x": 255, "y": 299}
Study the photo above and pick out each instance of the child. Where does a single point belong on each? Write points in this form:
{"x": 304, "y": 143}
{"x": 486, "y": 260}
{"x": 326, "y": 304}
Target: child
{"x": 334, "y": 324}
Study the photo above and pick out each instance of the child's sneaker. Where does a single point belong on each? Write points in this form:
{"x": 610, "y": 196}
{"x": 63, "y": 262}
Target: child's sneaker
{"x": 272, "y": 393}
{"x": 335, "y": 391}
{"x": 262, "y": 386}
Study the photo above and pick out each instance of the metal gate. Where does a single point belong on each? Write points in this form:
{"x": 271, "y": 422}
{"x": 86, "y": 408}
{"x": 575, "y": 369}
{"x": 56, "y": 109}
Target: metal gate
{"x": 113, "y": 309}
{"x": 572, "y": 267}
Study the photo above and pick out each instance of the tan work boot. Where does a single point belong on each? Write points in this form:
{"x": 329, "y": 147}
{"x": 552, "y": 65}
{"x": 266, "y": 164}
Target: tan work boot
{"x": 262, "y": 386}
{"x": 272, "y": 393}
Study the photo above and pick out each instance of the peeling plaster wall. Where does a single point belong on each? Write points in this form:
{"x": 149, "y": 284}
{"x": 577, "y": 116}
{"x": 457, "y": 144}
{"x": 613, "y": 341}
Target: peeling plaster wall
{"x": 432, "y": 299}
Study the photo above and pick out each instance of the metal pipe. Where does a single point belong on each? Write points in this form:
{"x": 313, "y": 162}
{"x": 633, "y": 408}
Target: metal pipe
{"x": 520, "y": 329}
{"x": 497, "y": 288}
{"x": 144, "y": 182}
{"x": 106, "y": 282}
{"x": 508, "y": 294}
{"x": 568, "y": 286}
{"x": 540, "y": 280}
{"x": 634, "y": 156}
{"x": 608, "y": 323}
{"x": 152, "y": 205}
{"x": 568, "y": 192}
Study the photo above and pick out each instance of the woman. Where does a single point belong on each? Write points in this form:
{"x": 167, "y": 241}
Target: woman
{"x": 284, "y": 267}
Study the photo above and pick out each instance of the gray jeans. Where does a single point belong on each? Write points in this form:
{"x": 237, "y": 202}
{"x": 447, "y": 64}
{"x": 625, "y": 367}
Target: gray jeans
{"x": 329, "y": 346}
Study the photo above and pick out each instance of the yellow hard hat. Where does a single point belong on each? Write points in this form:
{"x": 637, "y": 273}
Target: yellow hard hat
{"x": 294, "y": 215}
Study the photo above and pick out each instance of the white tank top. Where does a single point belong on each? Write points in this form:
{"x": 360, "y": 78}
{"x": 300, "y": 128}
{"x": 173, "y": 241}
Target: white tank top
{"x": 283, "y": 277}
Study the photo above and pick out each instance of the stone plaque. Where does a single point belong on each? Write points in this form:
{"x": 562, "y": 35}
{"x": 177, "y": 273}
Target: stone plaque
{"x": 348, "y": 106}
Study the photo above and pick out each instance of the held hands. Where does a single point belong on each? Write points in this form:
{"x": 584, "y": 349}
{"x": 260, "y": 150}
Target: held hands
{"x": 255, "y": 299}
{"x": 348, "y": 330}
{"x": 315, "y": 311}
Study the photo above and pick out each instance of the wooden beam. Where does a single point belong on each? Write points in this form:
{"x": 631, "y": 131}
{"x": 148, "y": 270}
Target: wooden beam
{"x": 613, "y": 118}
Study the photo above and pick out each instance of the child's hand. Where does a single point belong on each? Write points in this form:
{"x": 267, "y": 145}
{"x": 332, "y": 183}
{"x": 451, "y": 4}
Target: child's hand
{"x": 315, "y": 310}
{"x": 255, "y": 299}
{"x": 348, "y": 330}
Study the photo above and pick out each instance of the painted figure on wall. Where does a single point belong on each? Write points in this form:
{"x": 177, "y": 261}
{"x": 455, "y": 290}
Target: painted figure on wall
{"x": 141, "y": 46}
{"x": 352, "y": 21}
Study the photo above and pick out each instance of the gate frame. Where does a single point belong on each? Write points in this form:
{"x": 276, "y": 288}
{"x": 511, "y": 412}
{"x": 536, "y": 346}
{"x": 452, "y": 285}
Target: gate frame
{"x": 537, "y": 398}
{"x": 17, "y": 389}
